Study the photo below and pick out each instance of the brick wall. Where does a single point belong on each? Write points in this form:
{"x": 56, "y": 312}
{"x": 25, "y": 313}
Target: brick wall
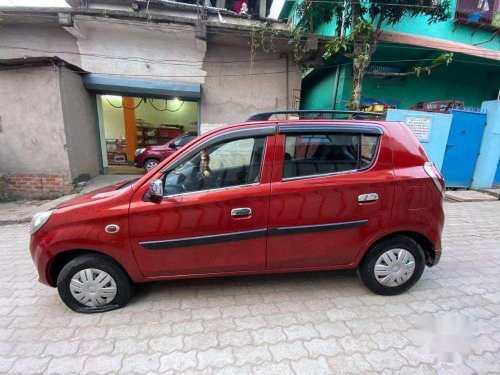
{"x": 33, "y": 186}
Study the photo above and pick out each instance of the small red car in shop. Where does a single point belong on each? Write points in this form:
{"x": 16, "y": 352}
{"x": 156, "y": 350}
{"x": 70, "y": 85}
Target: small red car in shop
{"x": 265, "y": 196}
{"x": 149, "y": 157}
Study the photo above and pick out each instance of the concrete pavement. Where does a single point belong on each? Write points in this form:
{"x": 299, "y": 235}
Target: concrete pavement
{"x": 307, "y": 323}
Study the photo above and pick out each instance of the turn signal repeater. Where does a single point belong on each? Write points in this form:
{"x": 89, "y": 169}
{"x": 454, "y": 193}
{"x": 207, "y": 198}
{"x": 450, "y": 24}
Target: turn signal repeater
{"x": 112, "y": 228}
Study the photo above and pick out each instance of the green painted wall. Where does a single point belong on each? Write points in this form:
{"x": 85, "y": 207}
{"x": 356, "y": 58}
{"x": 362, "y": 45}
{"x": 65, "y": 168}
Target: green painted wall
{"x": 446, "y": 30}
{"x": 457, "y": 81}
{"x": 319, "y": 93}
{"x": 472, "y": 82}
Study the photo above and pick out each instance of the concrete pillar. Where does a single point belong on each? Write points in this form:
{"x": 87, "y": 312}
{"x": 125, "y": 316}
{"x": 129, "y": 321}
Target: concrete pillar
{"x": 102, "y": 138}
{"x": 262, "y": 8}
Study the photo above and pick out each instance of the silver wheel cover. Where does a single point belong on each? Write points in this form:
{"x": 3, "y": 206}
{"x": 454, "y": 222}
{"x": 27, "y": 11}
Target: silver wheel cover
{"x": 93, "y": 287}
{"x": 151, "y": 164}
{"x": 394, "y": 267}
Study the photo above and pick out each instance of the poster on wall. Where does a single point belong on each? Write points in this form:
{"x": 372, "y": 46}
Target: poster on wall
{"x": 420, "y": 126}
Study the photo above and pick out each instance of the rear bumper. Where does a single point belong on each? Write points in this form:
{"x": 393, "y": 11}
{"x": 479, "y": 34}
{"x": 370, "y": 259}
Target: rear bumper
{"x": 432, "y": 261}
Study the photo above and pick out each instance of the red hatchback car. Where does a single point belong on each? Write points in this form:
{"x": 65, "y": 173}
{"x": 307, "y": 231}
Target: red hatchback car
{"x": 259, "y": 197}
{"x": 149, "y": 157}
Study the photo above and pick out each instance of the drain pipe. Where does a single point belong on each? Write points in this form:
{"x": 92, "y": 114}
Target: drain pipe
{"x": 336, "y": 87}
{"x": 285, "y": 56}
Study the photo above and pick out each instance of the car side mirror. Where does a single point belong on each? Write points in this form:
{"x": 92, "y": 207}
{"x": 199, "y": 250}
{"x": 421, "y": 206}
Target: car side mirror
{"x": 172, "y": 145}
{"x": 156, "y": 189}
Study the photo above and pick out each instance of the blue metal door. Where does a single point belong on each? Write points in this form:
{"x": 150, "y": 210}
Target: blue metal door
{"x": 496, "y": 179}
{"x": 462, "y": 148}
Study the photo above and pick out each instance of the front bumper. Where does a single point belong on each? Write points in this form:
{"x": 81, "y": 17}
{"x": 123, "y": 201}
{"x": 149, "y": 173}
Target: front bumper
{"x": 138, "y": 162}
{"x": 41, "y": 259}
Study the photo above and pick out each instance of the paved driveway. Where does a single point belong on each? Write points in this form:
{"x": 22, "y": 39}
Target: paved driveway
{"x": 309, "y": 323}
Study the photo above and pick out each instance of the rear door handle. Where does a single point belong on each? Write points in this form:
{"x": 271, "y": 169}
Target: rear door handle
{"x": 370, "y": 197}
{"x": 244, "y": 211}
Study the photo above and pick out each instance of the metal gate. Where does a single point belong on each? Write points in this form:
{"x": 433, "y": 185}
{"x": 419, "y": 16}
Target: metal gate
{"x": 462, "y": 148}
{"x": 496, "y": 179}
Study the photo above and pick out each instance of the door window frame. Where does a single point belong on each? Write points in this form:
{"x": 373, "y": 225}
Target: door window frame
{"x": 260, "y": 132}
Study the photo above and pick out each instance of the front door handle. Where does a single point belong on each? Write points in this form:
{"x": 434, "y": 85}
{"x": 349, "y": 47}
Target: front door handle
{"x": 370, "y": 197}
{"x": 238, "y": 212}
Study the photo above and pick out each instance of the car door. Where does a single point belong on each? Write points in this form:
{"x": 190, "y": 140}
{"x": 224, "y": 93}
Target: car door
{"x": 332, "y": 190}
{"x": 213, "y": 217}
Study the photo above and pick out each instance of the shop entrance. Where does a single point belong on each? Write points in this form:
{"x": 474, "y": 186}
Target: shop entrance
{"x": 135, "y": 113}
{"x": 131, "y": 123}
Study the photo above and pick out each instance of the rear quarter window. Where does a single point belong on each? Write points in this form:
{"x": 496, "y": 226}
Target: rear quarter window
{"x": 369, "y": 145}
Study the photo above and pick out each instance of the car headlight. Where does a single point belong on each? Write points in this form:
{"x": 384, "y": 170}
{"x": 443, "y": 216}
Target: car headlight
{"x": 139, "y": 151}
{"x": 39, "y": 220}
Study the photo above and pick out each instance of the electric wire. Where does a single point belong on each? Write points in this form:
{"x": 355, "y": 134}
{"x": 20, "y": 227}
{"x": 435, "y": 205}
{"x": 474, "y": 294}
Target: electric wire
{"x": 135, "y": 58}
{"x": 150, "y": 23}
{"x": 367, "y": 3}
{"x": 166, "y": 106}
{"x": 200, "y": 62}
{"x": 122, "y": 106}
{"x": 240, "y": 75}
{"x": 143, "y": 22}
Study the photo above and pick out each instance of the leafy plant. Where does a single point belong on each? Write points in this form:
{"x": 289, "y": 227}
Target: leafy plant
{"x": 264, "y": 37}
{"x": 363, "y": 19}
{"x": 496, "y": 20}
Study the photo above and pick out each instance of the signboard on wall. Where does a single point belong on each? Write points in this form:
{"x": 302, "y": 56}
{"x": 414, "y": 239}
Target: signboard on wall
{"x": 420, "y": 126}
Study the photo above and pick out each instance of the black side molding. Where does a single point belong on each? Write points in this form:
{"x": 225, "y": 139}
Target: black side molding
{"x": 203, "y": 240}
{"x": 238, "y": 236}
{"x": 315, "y": 228}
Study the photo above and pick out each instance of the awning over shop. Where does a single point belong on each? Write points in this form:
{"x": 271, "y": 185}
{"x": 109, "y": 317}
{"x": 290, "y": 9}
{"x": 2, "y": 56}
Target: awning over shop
{"x": 126, "y": 86}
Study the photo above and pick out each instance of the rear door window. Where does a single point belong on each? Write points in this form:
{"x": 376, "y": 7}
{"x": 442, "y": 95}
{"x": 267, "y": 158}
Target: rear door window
{"x": 329, "y": 152}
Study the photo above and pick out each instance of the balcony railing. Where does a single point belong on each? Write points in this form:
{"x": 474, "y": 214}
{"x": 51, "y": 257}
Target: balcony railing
{"x": 477, "y": 12}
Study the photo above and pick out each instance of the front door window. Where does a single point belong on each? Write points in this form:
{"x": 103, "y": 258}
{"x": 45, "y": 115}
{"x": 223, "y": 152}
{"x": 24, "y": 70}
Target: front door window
{"x": 221, "y": 165}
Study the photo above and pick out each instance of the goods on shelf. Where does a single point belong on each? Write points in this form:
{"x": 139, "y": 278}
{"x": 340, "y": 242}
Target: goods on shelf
{"x": 116, "y": 151}
{"x": 440, "y": 106}
{"x": 148, "y": 135}
{"x": 376, "y": 107}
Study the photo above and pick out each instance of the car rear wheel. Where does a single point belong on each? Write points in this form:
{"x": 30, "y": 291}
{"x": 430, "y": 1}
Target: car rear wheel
{"x": 94, "y": 283}
{"x": 393, "y": 266}
{"x": 150, "y": 164}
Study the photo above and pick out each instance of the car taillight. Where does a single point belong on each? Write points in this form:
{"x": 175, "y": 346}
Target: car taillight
{"x": 436, "y": 177}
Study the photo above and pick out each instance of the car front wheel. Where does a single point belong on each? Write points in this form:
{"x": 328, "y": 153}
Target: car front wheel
{"x": 94, "y": 283}
{"x": 393, "y": 266}
{"x": 150, "y": 164}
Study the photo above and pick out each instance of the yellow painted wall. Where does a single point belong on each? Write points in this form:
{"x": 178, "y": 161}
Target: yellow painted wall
{"x": 114, "y": 127}
{"x": 185, "y": 114}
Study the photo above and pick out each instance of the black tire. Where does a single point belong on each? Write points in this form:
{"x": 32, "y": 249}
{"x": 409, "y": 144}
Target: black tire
{"x": 148, "y": 162}
{"x": 124, "y": 286}
{"x": 366, "y": 269}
